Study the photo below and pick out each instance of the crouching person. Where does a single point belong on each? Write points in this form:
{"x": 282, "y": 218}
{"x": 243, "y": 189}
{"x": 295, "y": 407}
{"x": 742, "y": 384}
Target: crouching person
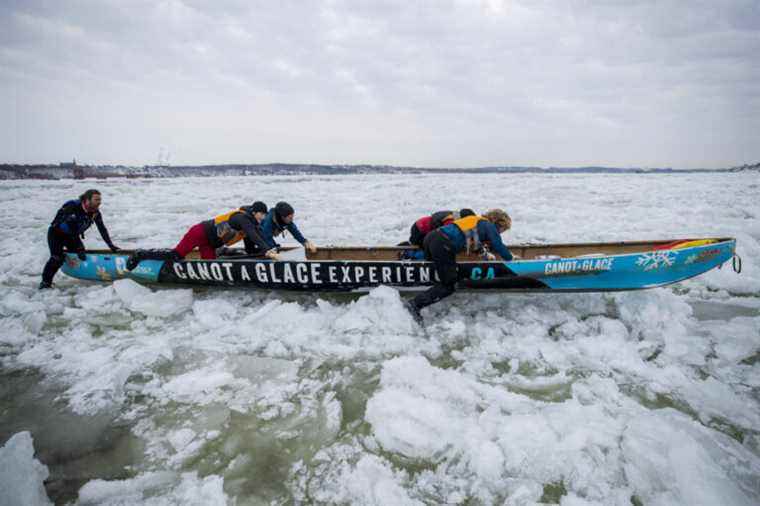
{"x": 441, "y": 247}
{"x": 67, "y": 231}
{"x": 224, "y": 230}
{"x": 422, "y": 227}
{"x": 277, "y": 221}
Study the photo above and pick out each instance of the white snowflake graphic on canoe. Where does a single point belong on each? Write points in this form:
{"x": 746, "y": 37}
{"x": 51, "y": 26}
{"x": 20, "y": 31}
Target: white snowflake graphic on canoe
{"x": 656, "y": 260}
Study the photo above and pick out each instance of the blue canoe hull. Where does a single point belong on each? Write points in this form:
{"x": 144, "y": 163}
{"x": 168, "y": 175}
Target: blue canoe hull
{"x": 605, "y": 272}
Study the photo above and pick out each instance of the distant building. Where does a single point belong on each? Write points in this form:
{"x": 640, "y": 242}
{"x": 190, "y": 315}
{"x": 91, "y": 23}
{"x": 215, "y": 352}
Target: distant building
{"x": 77, "y": 171}
{"x": 67, "y": 165}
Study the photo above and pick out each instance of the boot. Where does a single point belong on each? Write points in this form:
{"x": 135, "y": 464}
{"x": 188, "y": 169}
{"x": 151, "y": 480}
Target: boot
{"x": 151, "y": 254}
{"x": 414, "y": 311}
{"x": 44, "y": 285}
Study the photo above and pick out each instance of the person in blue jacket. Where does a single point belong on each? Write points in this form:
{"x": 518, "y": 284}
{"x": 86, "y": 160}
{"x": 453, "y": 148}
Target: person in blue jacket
{"x": 277, "y": 221}
{"x": 67, "y": 231}
{"x": 468, "y": 234}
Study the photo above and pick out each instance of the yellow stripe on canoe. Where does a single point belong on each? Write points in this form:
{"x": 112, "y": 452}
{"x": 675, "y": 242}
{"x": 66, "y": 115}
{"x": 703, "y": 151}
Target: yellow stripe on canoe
{"x": 692, "y": 244}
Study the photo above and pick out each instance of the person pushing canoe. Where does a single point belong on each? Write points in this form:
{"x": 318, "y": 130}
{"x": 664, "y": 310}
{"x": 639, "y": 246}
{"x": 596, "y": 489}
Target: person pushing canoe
{"x": 422, "y": 227}
{"x": 67, "y": 231}
{"x": 208, "y": 236}
{"x": 277, "y": 221}
{"x": 427, "y": 224}
{"x": 465, "y": 234}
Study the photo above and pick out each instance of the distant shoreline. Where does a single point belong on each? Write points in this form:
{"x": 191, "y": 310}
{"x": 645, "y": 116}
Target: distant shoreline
{"x": 72, "y": 171}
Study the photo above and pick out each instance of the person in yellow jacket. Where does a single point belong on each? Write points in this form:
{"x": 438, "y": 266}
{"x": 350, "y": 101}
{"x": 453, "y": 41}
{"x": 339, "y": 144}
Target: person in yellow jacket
{"x": 224, "y": 230}
{"x": 465, "y": 234}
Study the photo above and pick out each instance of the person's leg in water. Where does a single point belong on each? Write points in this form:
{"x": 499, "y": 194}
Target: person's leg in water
{"x": 440, "y": 251}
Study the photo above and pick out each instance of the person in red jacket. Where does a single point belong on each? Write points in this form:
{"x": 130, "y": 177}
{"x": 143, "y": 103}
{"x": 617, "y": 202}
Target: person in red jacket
{"x": 427, "y": 224}
{"x": 422, "y": 227}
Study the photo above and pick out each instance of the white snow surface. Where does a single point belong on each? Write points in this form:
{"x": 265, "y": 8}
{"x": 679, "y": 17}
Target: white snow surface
{"x": 649, "y": 397}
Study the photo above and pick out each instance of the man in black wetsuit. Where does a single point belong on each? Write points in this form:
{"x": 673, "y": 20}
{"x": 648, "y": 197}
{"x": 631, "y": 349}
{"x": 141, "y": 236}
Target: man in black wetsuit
{"x": 67, "y": 231}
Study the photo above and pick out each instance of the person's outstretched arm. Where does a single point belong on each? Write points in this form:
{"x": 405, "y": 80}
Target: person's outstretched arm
{"x": 104, "y": 232}
{"x": 492, "y": 235}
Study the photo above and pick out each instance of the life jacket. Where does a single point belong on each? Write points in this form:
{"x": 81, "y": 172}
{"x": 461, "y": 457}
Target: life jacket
{"x": 427, "y": 224}
{"x": 469, "y": 227}
{"x": 224, "y": 232}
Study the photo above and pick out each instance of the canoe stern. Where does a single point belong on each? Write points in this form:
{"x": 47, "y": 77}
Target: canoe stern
{"x": 110, "y": 267}
{"x": 627, "y": 272}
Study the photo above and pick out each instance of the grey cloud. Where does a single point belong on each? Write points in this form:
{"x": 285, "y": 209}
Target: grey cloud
{"x": 443, "y": 83}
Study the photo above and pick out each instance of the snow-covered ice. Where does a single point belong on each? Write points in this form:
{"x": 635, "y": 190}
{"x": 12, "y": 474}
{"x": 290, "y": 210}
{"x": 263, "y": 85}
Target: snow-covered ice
{"x": 21, "y": 475}
{"x": 138, "y": 394}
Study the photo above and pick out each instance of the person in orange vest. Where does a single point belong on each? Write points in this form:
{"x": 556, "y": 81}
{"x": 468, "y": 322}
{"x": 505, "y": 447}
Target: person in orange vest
{"x": 422, "y": 227}
{"x": 465, "y": 234}
{"x": 208, "y": 236}
{"x": 427, "y": 224}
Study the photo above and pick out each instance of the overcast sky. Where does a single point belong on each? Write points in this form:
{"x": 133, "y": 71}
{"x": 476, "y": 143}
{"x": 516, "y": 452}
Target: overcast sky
{"x": 436, "y": 83}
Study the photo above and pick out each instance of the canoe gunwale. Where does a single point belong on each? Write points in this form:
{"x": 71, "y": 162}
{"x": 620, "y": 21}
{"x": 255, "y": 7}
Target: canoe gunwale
{"x": 461, "y": 260}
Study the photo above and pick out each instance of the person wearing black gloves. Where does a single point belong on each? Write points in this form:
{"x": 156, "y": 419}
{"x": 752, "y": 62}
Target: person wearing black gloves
{"x": 67, "y": 231}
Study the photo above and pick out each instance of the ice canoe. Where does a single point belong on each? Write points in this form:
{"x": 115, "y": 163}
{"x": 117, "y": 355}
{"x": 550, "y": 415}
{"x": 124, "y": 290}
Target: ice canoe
{"x": 557, "y": 267}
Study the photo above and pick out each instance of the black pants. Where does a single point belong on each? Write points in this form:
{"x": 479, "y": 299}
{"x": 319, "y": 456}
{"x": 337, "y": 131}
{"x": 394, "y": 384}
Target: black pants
{"x": 440, "y": 251}
{"x": 57, "y": 241}
{"x": 416, "y": 237}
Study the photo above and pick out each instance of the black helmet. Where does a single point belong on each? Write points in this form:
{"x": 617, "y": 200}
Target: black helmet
{"x": 466, "y": 212}
{"x": 283, "y": 209}
{"x": 258, "y": 207}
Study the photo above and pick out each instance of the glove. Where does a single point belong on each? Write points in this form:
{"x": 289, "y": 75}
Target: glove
{"x": 489, "y": 256}
{"x": 114, "y": 248}
{"x": 272, "y": 255}
{"x": 82, "y": 256}
{"x": 310, "y": 247}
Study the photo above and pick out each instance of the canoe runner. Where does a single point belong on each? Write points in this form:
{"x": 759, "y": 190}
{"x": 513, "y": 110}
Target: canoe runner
{"x": 422, "y": 227}
{"x": 67, "y": 231}
{"x": 209, "y": 236}
{"x": 277, "y": 221}
{"x": 441, "y": 246}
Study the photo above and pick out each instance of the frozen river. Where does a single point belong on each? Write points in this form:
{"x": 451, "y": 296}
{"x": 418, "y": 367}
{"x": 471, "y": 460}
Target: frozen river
{"x": 174, "y": 396}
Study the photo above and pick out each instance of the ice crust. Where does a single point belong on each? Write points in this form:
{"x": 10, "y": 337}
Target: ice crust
{"x": 254, "y": 397}
{"x": 21, "y": 475}
{"x": 156, "y": 489}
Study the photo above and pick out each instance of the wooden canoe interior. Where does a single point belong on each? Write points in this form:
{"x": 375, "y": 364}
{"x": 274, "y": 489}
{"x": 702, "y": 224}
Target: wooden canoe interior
{"x": 524, "y": 251}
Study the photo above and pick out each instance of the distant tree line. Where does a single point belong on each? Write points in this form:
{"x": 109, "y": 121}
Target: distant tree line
{"x": 76, "y": 171}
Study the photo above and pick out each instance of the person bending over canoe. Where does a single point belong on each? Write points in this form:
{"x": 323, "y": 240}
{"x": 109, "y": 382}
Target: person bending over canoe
{"x": 465, "y": 234}
{"x": 427, "y": 224}
{"x": 422, "y": 227}
{"x": 67, "y": 231}
{"x": 224, "y": 230}
{"x": 278, "y": 220}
